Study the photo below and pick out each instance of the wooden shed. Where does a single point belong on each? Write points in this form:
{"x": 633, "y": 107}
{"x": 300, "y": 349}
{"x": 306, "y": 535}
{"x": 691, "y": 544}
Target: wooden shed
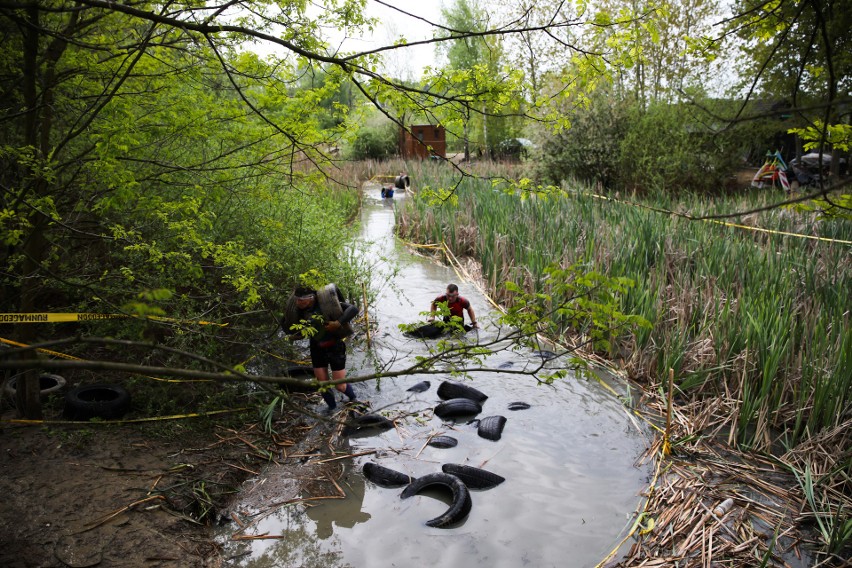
{"x": 423, "y": 141}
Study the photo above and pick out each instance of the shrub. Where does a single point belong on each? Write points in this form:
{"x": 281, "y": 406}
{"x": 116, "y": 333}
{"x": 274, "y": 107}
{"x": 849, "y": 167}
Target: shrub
{"x": 374, "y": 142}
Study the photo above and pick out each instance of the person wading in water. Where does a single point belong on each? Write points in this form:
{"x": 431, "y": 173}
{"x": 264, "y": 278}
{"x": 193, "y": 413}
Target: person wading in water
{"x": 327, "y": 347}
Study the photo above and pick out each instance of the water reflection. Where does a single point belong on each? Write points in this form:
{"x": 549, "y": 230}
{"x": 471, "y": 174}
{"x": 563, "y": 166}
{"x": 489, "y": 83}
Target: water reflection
{"x": 345, "y": 514}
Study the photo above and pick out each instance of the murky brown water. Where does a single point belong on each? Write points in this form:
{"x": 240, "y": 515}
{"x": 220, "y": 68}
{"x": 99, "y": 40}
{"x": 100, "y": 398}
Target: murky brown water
{"x": 571, "y": 485}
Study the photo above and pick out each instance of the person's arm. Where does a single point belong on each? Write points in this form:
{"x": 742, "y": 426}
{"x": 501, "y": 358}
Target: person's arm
{"x": 349, "y": 313}
{"x": 432, "y": 309}
{"x": 472, "y": 315}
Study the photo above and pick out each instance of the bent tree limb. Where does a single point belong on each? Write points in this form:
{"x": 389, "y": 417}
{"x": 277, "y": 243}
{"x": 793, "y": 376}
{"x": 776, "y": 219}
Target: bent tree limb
{"x": 456, "y": 356}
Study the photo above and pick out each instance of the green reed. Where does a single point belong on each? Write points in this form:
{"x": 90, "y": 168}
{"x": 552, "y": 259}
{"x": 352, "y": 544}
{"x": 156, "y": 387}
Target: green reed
{"x": 760, "y": 315}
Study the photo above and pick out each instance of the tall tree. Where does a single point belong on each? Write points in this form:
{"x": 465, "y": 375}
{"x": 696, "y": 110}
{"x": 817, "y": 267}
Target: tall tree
{"x": 474, "y": 60}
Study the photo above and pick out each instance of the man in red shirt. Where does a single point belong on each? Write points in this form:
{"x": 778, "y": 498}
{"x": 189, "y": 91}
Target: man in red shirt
{"x": 457, "y": 306}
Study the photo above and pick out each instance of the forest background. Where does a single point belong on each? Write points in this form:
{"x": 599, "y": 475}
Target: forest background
{"x": 155, "y": 166}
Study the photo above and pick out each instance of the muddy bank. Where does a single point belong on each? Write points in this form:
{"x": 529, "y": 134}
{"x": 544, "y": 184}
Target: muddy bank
{"x": 131, "y": 496}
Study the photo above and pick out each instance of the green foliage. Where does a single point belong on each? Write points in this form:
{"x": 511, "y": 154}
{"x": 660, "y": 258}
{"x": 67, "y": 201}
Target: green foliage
{"x": 814, "y": 35}
{"x": 173, "y": 184}
{"x": 834, "y": 524}
{"x": 839, "y": 136}
{"x": 576, "y": 299}
{"x": 622, "y": 146}
{"x": 671, "y": 147}
{"x": 590, "y": 149}
{"x": 375, "y": 142}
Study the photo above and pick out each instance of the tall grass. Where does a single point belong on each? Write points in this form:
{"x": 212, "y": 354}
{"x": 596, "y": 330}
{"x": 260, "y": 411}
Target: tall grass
{"x": 763, "y": 317}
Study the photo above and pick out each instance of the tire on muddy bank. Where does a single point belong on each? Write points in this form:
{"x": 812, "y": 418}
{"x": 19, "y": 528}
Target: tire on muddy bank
{"x": 96, "y": 401}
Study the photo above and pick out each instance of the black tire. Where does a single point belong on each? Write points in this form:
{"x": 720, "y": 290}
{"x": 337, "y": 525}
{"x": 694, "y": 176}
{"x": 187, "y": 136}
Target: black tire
{"x": 300, "y": 371}
{"x": 422, "y": 386}
{"x": 427, "y": 331}
{"x": 402, "y": 182}
{"x": 456, "y": 407}
{"x": 367, "y": 423}
{"x": 305, "y": 375}
{"x": 443, "y": 442}
{"x": 450, "y": 389}
{"x": 461, "y": 505}
{"x": 473, "y": 477}
{"x": 518, "y": 406}
{"x": 491, "y": 427}
{"x": 96, "y": 401}
{"x": 291, "y": 314}
{"x": 545, "y": 355}
{"x": 47, "y": 383}
{"x": 329, "y": 298}
{"x": 385, "y": 477}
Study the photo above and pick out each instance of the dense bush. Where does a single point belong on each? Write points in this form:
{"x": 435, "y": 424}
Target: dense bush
{"x": 672, "y": 147}
{"x": 621, "y": 146}
{"x": 374, "y": 142}
{"x": 589, "y": 150}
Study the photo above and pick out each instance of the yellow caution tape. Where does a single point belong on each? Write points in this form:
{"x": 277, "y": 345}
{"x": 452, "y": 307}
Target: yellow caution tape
{"x": 648, "y": 526}
{"x": 133, "y": 421}
{"x": 45, "y": 351}
{"x": 77, "y": 317}
{"x": 716, "y": 221}
{"x": 302, "y": 362}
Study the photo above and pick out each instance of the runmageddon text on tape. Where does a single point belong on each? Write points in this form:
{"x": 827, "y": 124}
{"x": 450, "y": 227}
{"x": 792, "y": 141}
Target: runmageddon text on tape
{"x": 72, "y": 317}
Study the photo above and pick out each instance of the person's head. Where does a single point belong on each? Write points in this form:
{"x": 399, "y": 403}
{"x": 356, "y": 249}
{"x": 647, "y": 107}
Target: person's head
{"x": 305, "y": 297}
{"x": 452, "y": 292}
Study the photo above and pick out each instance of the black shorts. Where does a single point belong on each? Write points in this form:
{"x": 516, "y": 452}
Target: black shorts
{"x": 334, "y": 355}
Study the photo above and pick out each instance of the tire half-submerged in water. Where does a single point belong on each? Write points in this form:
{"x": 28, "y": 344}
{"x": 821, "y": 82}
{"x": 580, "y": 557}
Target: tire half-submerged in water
{"x": 426, "y": 331}
{"x": 443, "y": 442}
{"x": 384, "y": 476}
{"x": 456, "y": 407}
{"x": 422, "y": 386}
{"x": 367, "y": 423}
{"x": 473, "y": 477}
{"x": 461, "y": 505}
{"x": 491, "y": 427}
{"x": 450, "y": 389}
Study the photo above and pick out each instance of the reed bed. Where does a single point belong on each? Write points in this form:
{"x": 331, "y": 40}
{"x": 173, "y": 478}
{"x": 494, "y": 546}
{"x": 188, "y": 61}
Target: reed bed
{"x": 755, "y": 325}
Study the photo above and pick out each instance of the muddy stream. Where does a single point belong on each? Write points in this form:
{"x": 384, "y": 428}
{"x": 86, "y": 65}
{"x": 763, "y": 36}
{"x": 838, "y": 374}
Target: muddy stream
{"x": 569, "y": 460}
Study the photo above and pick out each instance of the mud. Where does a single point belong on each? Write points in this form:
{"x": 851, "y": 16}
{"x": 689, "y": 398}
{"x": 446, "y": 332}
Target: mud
{"x": 137, "y": 495}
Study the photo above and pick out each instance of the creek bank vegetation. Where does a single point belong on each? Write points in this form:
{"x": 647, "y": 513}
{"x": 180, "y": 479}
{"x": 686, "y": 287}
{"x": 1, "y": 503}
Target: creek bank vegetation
{"x": 751, "y": 319}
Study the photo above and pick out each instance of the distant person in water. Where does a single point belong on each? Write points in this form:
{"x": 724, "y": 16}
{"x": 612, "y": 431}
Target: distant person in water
{"x": 457, "y": 305}
{"x": 400, "y": 181}
{"x": 327, "y": 348}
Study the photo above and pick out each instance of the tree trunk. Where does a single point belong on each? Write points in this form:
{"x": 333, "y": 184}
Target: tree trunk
{"x": 27, "y": 386}
{"x": 466, "y": 138}
{"x": 485, "y": 133}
